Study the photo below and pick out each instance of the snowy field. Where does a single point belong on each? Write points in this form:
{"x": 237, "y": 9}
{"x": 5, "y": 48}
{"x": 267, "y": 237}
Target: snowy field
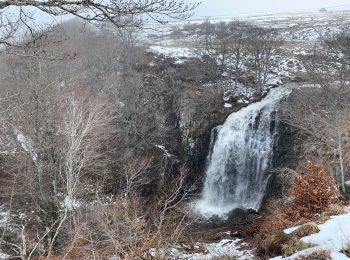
{"x": 304, "y": 27}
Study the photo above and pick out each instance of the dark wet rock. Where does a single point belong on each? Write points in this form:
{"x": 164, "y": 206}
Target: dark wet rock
{"x": 240, "y": 217}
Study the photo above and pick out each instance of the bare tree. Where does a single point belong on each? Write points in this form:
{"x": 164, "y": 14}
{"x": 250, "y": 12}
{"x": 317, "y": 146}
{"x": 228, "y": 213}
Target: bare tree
{"x": 239, "y": 53}
{"x": 124, "y": 227}
{"x": 217, "y": 39}
{"x": 75, "y": 125}
{"x": 240, "y": 48}
{"x": 62, "y": 130}
{"x": 263, "y": 46}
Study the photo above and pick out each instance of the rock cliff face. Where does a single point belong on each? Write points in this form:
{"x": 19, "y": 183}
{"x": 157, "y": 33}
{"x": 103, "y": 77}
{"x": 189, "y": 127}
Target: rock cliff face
{"x": 288, "y": 152}
{"x": 292, "y": 150}
{"x": 286, "y": 148}
{"x": 200, "y": 111}
{"x": 241, "y": 157}
{"x": 196, "y": 108}
{"x": 285, "y": 160}
{"x": 198, "y": 114}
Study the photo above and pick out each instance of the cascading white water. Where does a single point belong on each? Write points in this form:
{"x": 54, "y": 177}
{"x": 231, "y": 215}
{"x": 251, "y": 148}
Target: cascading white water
{"x": 240, "y": 156}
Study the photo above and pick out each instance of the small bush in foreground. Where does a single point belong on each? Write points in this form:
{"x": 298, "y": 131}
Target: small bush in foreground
{"x": 270, "y": 244}
{"x": 311, "y": 193}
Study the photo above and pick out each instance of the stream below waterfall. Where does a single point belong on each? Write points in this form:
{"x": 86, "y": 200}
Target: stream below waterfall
{"x": 240, "y": 158}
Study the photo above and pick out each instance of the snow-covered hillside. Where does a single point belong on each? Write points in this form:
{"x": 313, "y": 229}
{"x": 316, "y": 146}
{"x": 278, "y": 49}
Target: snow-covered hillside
{"x": 179, "y": 40}
{"x": 305, "y": 27}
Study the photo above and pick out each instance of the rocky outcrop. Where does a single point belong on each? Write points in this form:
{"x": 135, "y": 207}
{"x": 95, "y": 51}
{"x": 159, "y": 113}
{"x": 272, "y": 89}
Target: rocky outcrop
{"x": 286, "y": 151}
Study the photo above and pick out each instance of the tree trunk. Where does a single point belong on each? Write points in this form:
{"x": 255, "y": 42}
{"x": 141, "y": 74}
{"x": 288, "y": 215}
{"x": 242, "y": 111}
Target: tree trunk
{"x": 339, "y": 167}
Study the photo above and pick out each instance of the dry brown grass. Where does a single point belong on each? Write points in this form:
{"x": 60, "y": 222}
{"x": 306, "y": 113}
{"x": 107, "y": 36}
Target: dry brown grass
{"x": 313, "y": 193}
{"x": 319, "y": 255}
{"x": 306, "y": 230}
{"x": 322, "y": 219}
{"x": 294, "y": 245}
{"x": 346, "y": 250}
{"x": 334, "y": 209}
{"x": 301, "y": 222}
{"x": 270, "y": 244}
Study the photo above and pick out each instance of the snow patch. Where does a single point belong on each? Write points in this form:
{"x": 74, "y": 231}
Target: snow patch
{"x": 290, "y": 230}
{"x": 223, "y": 248}
{"x": 166, "y": 152}
{"x": 26, "y": 144}
{"x": 334, "y": 234}
{"x": 180, "y": 54}
{"x": 70, "y": 203}
{"x": 338, "y": 256}
{"x": 4, "y": 256}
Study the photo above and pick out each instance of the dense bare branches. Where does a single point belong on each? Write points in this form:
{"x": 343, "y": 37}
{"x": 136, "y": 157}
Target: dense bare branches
{"x": 264, "y": 44}
{"x": 242, "y": 49}
{"x": 122, "y": 14}
{"x": 83, "y": 152}
{"x": 322, "y": 112}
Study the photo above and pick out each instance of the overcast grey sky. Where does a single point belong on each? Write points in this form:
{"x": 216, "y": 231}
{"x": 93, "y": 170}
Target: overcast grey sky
{"x": 241, "y": 7}
{"x": 236, "y": 7}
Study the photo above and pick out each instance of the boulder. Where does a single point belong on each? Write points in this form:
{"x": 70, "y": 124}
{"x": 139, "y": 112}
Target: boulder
{"x": 240, "y": 217}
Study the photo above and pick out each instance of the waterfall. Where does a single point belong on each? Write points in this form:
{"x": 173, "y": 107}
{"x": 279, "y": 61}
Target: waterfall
{"x": 240, "y": 157}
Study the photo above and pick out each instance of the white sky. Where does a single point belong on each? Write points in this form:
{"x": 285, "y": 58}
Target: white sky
{"x": 242, "y": 7}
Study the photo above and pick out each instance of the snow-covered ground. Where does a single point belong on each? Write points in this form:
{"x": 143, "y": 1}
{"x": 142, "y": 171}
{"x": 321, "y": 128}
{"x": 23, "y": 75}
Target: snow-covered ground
{"x": 179, "y": 54}
{"x": 26, "y": 144}
{"x": 334, "y": 235}
{"x": 233, "y": 248}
